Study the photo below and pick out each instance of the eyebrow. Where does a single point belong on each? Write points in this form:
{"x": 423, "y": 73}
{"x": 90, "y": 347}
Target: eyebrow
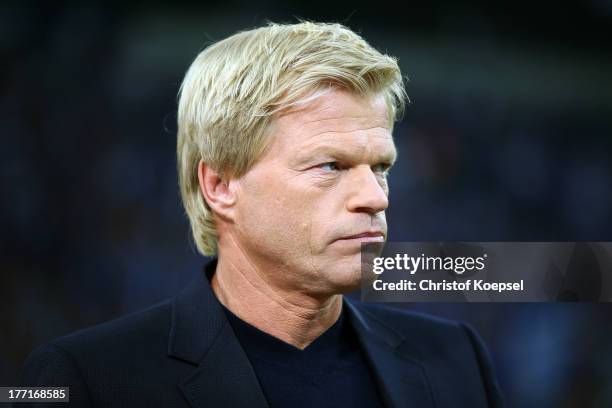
{"x": 342, "y": 154}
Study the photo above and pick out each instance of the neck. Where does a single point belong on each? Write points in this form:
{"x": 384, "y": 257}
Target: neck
{"x": 293, "y": 317}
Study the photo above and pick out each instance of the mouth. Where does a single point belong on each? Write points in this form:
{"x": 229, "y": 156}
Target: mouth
{"x": 367, "y": 236}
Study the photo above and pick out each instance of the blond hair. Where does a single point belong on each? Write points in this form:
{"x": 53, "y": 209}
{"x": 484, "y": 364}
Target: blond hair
{"x": 234, "y": 88}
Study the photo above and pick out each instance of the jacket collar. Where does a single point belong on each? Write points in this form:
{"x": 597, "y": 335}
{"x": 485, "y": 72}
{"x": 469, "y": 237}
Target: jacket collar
{"x": 197, "y": 318}
{"x": 201, "y": 335}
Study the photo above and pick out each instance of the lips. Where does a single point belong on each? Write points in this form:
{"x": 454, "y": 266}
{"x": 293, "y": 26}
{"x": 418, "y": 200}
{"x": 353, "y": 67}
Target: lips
{"x": 367, "y": 236}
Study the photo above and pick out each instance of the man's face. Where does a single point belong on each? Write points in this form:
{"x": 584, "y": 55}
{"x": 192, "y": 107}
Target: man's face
{"x": 319, "y": 191}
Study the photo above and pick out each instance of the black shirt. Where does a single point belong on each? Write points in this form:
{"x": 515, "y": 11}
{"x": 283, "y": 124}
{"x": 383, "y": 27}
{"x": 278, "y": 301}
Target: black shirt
{"x": 331, "y": 372}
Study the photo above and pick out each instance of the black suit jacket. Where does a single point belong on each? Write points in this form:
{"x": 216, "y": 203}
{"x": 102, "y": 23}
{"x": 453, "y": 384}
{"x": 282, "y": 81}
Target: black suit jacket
{"x": 183, "y": 353}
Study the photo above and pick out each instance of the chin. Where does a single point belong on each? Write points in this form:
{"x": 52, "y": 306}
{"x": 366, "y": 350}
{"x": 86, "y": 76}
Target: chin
{"x": 344, "y": 278}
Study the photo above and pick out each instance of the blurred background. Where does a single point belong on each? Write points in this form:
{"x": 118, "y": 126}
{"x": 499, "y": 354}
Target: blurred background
{"x": 508, "y": 138}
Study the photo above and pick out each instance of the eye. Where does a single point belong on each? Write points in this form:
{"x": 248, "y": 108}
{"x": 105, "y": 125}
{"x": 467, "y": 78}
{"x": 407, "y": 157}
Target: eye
{"x": 330, "y": 166}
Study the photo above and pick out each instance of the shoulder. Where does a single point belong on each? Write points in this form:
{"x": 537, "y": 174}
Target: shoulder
{"x": 429, "y": 335}
{"x": 87, "y": 357}
{"x": 415, "y": 325}
{"x": 127, "y": 332}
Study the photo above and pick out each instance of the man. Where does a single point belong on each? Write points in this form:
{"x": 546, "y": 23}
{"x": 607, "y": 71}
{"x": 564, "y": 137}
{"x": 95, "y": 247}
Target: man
{"x": 284, "y": 145}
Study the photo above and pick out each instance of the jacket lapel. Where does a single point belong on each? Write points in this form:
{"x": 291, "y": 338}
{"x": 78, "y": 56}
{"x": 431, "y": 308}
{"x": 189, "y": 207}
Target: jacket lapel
{"x": 201, "y": 335}
{"x": 224, "y": 377}
{"x": 400, "y": 374}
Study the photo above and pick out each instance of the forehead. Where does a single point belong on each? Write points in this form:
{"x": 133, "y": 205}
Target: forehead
{"x": 337, "y": 119}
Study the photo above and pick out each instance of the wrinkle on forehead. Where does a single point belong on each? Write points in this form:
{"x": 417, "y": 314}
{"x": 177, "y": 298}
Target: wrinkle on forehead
{"x": 367, "y": 146}
{"x": 339, "y": 109}
{"x": 337, "y": 113}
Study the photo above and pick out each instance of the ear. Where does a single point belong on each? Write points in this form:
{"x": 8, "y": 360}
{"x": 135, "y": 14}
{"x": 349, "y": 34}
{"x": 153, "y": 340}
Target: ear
{"x": 218, "y": 193}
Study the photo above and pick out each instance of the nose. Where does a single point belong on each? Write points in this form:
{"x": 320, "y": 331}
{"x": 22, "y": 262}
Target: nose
{"x": 369, "y": 192}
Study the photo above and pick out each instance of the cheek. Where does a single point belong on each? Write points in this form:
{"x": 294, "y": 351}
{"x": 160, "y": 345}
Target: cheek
{"x": 274, "y": 214}
{"x": 288, "y": 213}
